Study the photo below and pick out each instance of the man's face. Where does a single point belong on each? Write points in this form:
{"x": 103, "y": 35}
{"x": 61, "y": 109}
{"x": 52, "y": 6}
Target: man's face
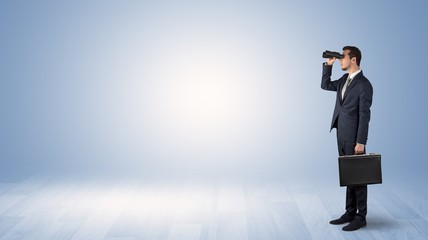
{"x": 345, "y": 62}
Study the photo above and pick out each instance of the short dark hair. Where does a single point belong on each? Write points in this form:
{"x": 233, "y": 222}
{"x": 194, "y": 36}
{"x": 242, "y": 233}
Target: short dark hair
{"x": 353, "y": 52}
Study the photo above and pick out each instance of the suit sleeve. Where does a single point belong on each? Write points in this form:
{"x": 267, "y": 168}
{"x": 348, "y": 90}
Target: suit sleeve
{"x": 365, "y": 102}
{"x": 326, "y": 82}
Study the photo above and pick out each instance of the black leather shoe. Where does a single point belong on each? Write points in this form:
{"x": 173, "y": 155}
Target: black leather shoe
{"x": 343, "y": 219}
{"x": 355, "y": 225}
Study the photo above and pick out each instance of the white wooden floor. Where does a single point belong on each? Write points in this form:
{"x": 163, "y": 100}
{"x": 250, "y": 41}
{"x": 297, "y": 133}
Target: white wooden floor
{"x": 224, "y": 210}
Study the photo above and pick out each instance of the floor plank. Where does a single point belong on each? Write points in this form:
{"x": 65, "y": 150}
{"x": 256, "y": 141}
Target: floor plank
{"x": 313, "y": 212}
{"x": 8, "y": 223}
{"x": 289, "y": 222}
{"x": 106, "y": 212}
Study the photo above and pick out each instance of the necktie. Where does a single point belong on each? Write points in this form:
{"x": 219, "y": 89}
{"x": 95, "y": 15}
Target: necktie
{"x": 348, "y": 81}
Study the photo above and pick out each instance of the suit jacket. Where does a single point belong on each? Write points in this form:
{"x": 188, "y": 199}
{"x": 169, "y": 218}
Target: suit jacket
{"x": 351, "y": 114}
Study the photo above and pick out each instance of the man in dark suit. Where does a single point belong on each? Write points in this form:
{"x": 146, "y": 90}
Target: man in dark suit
{"x": 351, "y": 119}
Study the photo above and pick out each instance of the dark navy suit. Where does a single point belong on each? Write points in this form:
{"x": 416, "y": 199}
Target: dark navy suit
{"x": 351, "y": 118}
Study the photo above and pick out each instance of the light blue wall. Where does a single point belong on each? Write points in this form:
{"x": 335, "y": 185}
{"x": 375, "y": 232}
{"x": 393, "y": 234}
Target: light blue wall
{"x": 205, "y": 86}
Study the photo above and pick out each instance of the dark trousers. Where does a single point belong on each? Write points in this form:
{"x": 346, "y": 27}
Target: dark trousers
{"x": 356, "y": 196}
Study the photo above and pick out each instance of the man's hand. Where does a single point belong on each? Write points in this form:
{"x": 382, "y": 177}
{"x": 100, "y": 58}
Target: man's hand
{"x": 330, "y": 61}
{"x": 359, "y": 148}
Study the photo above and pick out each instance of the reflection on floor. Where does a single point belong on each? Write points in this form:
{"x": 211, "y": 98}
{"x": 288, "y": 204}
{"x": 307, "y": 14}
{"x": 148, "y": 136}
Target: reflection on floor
{"x": 36, "y": 208}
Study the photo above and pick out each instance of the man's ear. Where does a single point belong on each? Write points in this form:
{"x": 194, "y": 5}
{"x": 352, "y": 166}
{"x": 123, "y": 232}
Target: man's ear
{"x": 354, "y": 59}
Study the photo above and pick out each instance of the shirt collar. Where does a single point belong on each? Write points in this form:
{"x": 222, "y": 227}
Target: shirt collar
{"x": 351, "y": 76}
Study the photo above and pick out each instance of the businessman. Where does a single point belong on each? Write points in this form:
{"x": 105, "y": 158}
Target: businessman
{"x": 351, "y": 119}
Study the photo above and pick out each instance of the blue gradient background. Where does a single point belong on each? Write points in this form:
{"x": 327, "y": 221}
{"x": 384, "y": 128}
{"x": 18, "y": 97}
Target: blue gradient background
{"x": 166, "y": 88}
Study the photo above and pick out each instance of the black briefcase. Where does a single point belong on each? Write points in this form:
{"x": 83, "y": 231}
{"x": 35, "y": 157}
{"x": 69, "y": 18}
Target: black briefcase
{"x": 355, "y": 170}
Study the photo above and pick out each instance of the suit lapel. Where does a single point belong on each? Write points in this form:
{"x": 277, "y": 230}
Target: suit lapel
{"x": 341, "y": 87}
{"x": 353, "y": 82}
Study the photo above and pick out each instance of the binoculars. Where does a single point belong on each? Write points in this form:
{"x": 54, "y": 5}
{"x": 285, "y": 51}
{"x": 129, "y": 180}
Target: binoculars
{"x": 330, "y": 54}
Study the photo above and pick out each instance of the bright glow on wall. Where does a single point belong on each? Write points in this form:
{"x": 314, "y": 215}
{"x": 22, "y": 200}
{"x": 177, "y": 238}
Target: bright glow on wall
{"x": 206, "y": 103}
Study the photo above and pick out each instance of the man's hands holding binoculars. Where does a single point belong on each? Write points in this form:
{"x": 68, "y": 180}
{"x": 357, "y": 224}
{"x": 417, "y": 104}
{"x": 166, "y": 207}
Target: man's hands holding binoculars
{"x": 332, "y": 56}
{"x": 330, "y": 61}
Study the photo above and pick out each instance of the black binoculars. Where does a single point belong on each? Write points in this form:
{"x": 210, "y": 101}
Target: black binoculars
{"x": 330, "y": 54}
